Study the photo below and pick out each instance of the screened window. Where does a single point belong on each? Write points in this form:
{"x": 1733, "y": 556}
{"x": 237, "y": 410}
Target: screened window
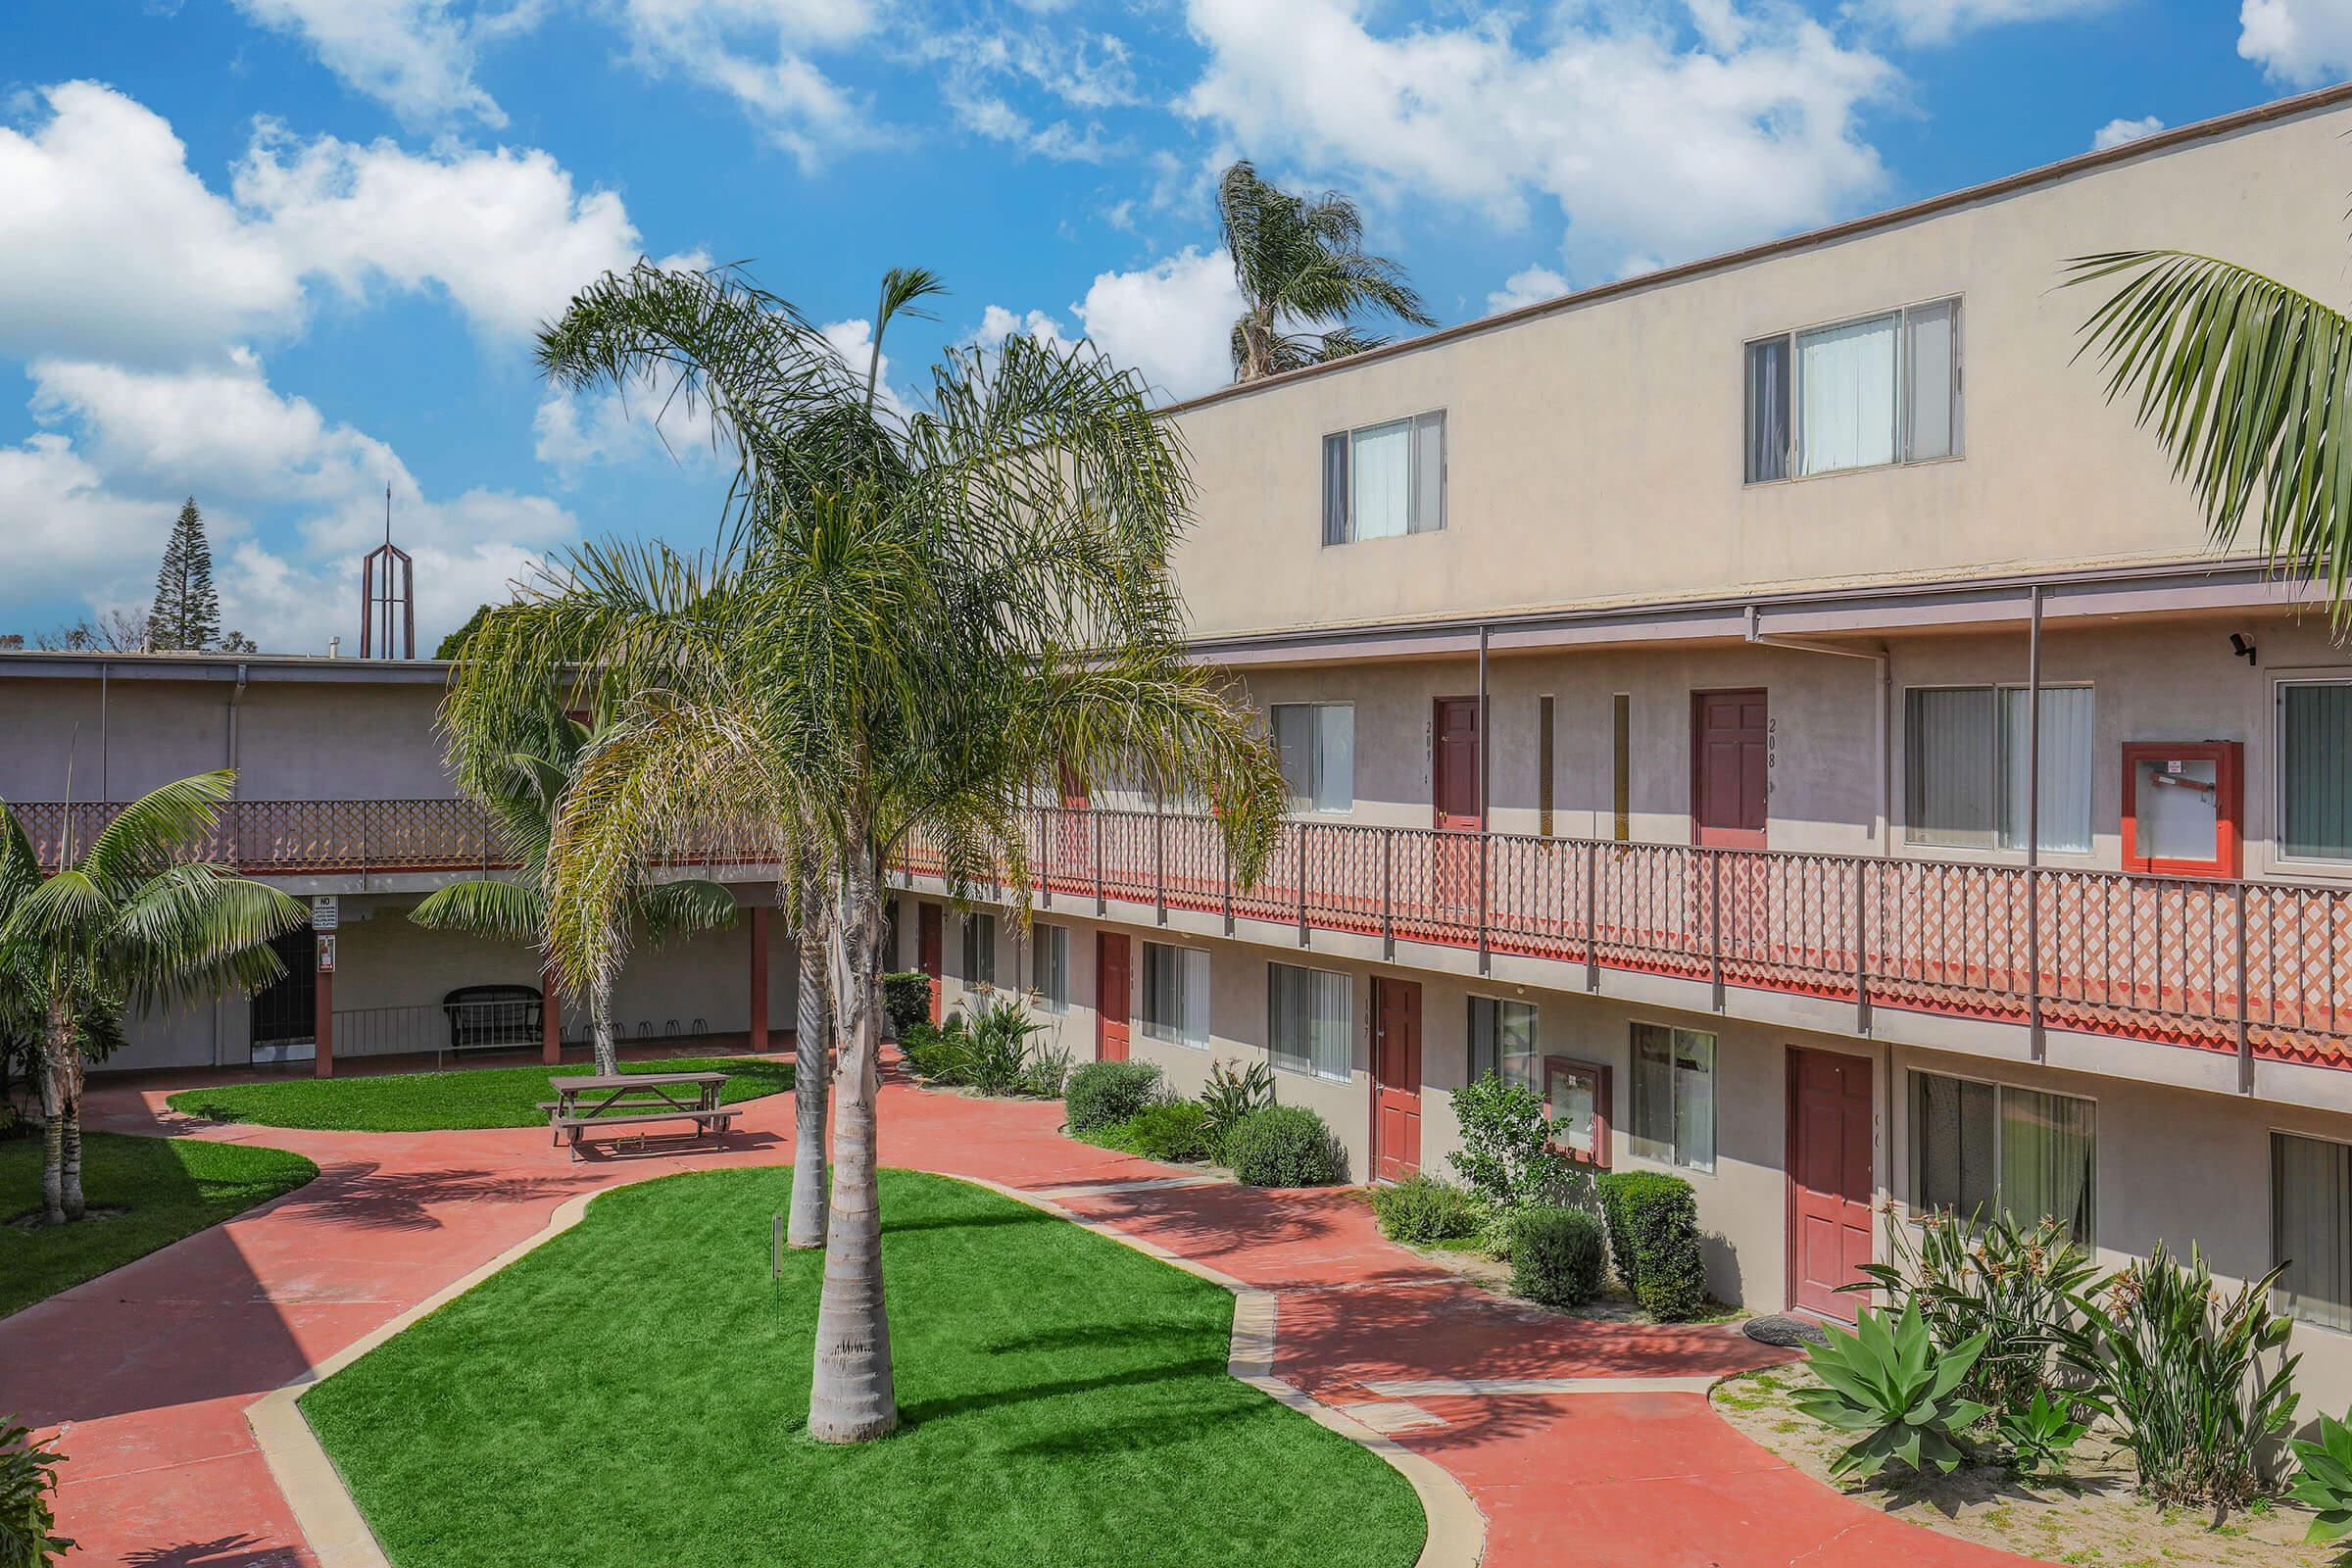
{"x": 1175, "y": 994}
{"x": 1857, "y": 394}
{"x": 1051, "y": 980}
{"x": 1984, "y": 1148}
{"x": 1965, "y": 762}
{"x": 2311, "y": 1228}
{"x": 1317, "y": 743}
{"x": 1384, "y": 480}
{"x": 1307, "y": 1020}
{"x": 1503, "y": 1040}
{"x": 979, "y": 949}
{"x": 1673, "y": 1096}
{"x": 2315, "y": 770}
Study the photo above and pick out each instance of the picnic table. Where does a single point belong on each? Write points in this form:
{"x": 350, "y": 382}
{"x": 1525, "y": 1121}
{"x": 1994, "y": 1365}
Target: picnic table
{"x": 589, "y": 1100}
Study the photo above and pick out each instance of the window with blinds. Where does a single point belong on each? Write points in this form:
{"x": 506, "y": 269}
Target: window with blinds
{"x": 979, "y": 951}
{"x": 1382, "y": 481}
{"x": 2315, "y": 770}
{"x": 1978, "y": 1149}
{"x": 1858, "y": 394}
{"x": 1051, "y": 981}
{"x": 1175, "y": 995}
{"x": 1317, "y": 744}
{"x": 2311, "y": 1228}
{"x": 1307, "y": 1020}
{"x": 1965, "y": 761}
{"x": 1673, "y": 1096}
{"x": 1503, "y": 1040}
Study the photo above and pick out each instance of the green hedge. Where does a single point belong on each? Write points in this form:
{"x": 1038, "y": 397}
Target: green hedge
{"x": 1285, "y": 1145}
{"x": 1105, "y": 1094}
{"x": 1653, "y": 1237}
{"x": 1171, "y": 1130}
{"x": 1424, "y": 1209}
{"x": 1558, "y": 1255}
{"x": 906, "y": 998}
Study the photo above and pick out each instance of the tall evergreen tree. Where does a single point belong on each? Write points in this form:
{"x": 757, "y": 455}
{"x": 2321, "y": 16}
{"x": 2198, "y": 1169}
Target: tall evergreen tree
{"x": 187, "y": 610}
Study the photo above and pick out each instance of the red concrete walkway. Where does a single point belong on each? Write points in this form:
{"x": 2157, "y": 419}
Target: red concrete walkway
{"x": 149, "y": 1369}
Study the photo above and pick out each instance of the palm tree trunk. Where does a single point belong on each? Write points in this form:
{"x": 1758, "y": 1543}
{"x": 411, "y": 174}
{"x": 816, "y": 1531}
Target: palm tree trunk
{"x": 851, "y": 1398}
{"x": 60, "y": 1112}
{"x": 600, "y": 1024}
{"x": 811, "y": 1088}
{"x": 53, "y": 1143}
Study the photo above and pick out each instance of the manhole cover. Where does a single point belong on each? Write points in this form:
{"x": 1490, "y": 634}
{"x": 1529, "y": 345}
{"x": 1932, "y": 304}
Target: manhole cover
{"x": 1789, "y": 1333}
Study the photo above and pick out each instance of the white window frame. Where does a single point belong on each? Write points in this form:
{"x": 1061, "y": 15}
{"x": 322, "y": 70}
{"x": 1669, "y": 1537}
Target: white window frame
{"x": 980, "y": 953}
{"x": 1999, "y": 1087}
{"x": 2322, "y": 864}
{"x": 1306, "y": 806}
{"x": 1902, "y": 315}
{"x": 2000, "y": 738}
{"x": 1346, "y": 1070}
{"x": 1414, "y": 523}
{"x": 1173, "y": 1034}
{"x": 2278, "y": 1297}
{"x": 1046, "y": 941}
{"x": 1535, "y": 1061}
{"x": 1635, "y": 1137}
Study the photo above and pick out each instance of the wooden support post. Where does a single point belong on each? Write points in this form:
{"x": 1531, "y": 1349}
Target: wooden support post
{"x": 759, "y": 923}
{"x": 550, "y": 1018}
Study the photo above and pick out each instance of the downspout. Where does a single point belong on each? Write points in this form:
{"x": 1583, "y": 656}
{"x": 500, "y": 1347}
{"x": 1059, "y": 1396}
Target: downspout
{"x": 104, "y": 794}
{"x": 237, "y": 695}
{"x": 1879, "y": 715}
{"x": 1485, "y": 837}
{"x": 2038, "y": 1045}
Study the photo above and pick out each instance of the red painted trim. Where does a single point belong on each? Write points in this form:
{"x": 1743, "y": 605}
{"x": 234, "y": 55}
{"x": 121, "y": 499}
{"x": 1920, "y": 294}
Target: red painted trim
{"x": 2228, "y": 839}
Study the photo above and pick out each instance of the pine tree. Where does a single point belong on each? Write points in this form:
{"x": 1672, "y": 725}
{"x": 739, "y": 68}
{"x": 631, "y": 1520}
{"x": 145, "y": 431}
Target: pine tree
{"x": 187, "y": 611}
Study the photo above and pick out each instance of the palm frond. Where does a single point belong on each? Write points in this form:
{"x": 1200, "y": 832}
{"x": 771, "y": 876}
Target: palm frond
{"x": 159, "y": 828}
{"x": 688, "y": 905}
{"x": 2243, "y": 380}
{"x": 507, "y": 911}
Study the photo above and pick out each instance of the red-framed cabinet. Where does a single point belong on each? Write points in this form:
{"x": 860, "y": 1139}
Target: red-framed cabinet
{"x": 2184, "y": 807}
{"x": 1576, "y": 1100}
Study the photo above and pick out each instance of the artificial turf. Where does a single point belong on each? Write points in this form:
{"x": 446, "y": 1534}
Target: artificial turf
{"x": 443, "y": 1102}
{"x": 636, "y": 1392}
{"x": 167, "y": 1188}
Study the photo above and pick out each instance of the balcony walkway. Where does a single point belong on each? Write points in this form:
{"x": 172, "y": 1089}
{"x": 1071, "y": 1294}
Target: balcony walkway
{"x": 150, "y": 1368}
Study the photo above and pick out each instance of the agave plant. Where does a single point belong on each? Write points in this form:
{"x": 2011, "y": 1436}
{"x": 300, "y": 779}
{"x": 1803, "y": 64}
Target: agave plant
{"x": 1888, "y": 1382}
{"x": 2040, "y": 1434}
{"x": 29, "y": 1536}
{"x": 2324, "y": 1483}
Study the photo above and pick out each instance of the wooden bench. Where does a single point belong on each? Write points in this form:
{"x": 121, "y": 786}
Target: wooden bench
{"x": 621, "y": 1100}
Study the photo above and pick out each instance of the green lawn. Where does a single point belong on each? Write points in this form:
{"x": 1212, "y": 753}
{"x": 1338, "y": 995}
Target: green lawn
{"x": 171, "y": 1186}
{"x": 635, "y": 1392}
{"x": 442, "y": 1102}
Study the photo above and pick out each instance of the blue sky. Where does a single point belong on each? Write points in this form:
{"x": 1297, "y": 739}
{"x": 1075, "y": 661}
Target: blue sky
{"x": 281, "y": 252}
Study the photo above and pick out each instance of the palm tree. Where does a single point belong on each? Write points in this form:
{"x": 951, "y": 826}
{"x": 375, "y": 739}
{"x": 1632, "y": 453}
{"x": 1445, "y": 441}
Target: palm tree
{"x": 922, "y": 620}
{"x": 520, "y": 789}
{"x": 1302, "y": 274}
{"x": 131, "y": 921}
{"x": 2245, "y": 381}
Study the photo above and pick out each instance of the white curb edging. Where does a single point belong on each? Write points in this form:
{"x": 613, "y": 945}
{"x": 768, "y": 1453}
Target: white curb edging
{"x": 338, "y": 1533}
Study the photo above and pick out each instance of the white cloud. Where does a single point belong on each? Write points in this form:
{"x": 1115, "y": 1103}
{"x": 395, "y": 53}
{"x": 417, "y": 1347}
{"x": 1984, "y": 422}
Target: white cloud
{"x": 2302, "y": 42}
{"x": 97, "y": 491}
{"x": 757, "y": 53}
{"x": 1171, "y": 320}
{"x": 1525, "y": 287}
{"x": 416, "y": 57}
{"x": 2118, "y": 131}
{"x": 1646, "y": 141}
{"x": 571, "y": 432}
{"x": 854, "y": 341}
{"x": 117, "y": 249}
{"x": 1921, "y": 23}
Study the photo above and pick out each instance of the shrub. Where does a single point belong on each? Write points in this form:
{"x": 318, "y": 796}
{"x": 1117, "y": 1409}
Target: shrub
{"x": 1558, "y": 1255}
{"x": 1285, "y": 1145}
{"x": 1887, "y": 1381}
{"x": 2325, "y": 1486}
{"x": 906, "y": 1000}
{"x": 2179, "y": 1368}
{"x": 936, "y": 1053}
{"x": 1425, "y": 1209}
{"x": 1653, "y": 1237}
{"x": 2039, "y": 1433}
{"x": 996, "y": 1054}
{"x": 1230, "y": 1096}
{"x": 1048, "y": 1070}
{"x": 28, "y": 1476}
{"x": 2014, "y": 1284}
{"x": 1105, "y": 1094}
{"x": 1171, "y": 1130}
{"x": 1506, "y": 1154}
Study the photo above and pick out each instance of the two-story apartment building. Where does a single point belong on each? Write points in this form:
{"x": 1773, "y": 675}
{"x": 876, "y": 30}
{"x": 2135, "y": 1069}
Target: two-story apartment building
{"x": 1779, "y": 709}
{"x": 1775, "y": 707}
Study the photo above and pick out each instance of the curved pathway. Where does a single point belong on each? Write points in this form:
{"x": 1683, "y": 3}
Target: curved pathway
{"x": 1581, "y": 1442}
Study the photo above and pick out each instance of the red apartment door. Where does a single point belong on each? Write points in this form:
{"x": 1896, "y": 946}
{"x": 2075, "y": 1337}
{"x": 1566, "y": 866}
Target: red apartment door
{"x": 1453, "y": 799}
{"x": 1395, "y": 1078}
{"x": 928, "y": 942}
{"x": 1730, "y": 753}
{"x": 1111, "y": 997}
{"x": 1828, "y": 1179}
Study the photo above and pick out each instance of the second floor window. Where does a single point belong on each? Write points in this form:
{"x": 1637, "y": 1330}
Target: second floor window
{"x": 2314, "y": 784}
{"x": 1317, "y": 743}
{"x": 1965, "y": 761}
{"x": 1859, "y": 394}
{"x": 1384, "y": 480}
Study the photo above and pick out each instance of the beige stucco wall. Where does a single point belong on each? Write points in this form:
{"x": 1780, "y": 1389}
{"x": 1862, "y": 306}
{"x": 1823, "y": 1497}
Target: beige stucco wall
{"x": 1594, "y": 453}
